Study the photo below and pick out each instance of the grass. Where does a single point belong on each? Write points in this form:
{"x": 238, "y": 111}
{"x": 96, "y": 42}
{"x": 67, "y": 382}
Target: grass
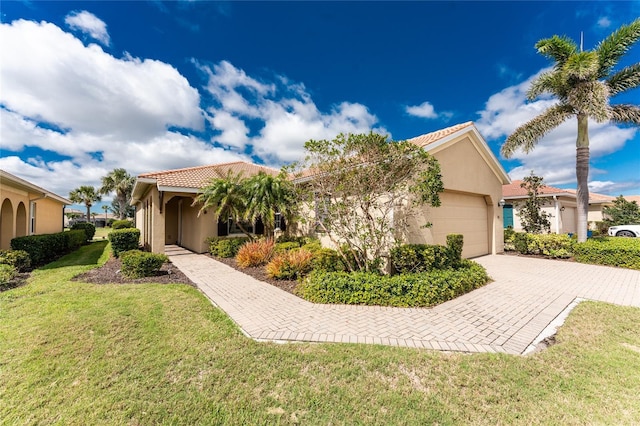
{"x": 77, "y": 353}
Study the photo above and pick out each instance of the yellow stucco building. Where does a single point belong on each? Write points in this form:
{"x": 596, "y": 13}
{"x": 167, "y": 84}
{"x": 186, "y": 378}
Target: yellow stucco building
{"x": 27, "y": 209}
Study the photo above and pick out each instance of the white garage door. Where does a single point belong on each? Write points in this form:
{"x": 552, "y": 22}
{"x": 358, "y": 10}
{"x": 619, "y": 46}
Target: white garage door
{"x": 462, "y": 214}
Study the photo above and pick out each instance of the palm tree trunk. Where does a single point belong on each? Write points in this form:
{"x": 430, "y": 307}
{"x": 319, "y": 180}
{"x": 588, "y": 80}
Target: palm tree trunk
{"x": 582, "y": 175}
{"x": 88, "y": 213}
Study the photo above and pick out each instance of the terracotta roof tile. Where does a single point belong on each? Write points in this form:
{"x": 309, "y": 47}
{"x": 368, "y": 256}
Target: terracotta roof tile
{"x": 432, "y": 137}
{"x": 630, "y": 198}
{"x": 514, "y": 190}
{"x": 197, "y": 177}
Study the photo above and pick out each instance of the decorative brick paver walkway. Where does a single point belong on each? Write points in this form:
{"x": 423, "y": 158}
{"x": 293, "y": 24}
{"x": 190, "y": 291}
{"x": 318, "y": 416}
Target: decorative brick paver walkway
{"x": 505, "y": 316}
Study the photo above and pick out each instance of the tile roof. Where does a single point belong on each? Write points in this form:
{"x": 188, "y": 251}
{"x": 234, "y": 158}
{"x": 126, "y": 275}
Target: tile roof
{"x": 432, "y": 137}
{"x": 514, "y": 190}
{"x": 630, "y": 198}
{"x": 197, "y": 177}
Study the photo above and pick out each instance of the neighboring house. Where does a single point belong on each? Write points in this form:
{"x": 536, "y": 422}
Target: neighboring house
{"x": 559, "y": 204}
{"x": 164, "y": 210}
{"x": 27, "y": 209}
{"x": 471, "y": 174}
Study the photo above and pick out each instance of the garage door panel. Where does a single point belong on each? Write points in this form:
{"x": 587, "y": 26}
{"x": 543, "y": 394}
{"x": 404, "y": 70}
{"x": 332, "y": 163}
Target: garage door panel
{"x": 462, "y": 214}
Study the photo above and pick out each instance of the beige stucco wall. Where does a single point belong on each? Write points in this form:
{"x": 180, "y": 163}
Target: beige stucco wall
{"x": 465, "y": 171}
{"x": 150, "y": 222}
{"x": 15, "y": 214}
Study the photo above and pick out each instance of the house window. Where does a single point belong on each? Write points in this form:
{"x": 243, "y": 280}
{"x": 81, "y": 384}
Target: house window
{"x": 278, "y": 221}
{"x": 233, "y": 228}
{"x": 32, "y": 218}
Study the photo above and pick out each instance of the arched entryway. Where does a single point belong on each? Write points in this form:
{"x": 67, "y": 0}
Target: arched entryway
{"x": 21, "y": 220}
{"x": 6, "y": 224}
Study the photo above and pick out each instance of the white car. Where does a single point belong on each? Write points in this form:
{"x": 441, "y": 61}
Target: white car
{"x": 625, "y": 231}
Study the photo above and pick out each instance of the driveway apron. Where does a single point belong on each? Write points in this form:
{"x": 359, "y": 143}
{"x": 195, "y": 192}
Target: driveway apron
{"x": 508, "y": 315}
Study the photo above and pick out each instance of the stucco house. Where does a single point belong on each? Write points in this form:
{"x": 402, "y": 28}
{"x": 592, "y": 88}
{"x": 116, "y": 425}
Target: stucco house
{"x": 472, "y": 177}
{"x": 559, "y": 204}
{"x": 164, "y": 210}
{"x": 27, "y": 209}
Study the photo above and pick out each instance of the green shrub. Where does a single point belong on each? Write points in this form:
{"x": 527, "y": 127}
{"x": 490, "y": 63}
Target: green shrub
{"x": 122, "y": 224}
{"x": 313, "y": 246}
{"x": 455, "y": 243}
{"x": 509, "y": 236}
{"x": 621, "y": 252}
{"x": 138, "y": 264}
{"x": 255, "y": 253}
{"x": 550, "y": 245}
{"x": 286, "y": 246}
{"x": 45, "y": 248}
{"x": 226, "y": 247}
{"x": 7, "y": 273}
{"x": 414, "y": 258}
{"x": 88, "y": 228}
{"x": 406, "y": 290}
{"x": 290, "y": 264}
{"x": 19, "y": 259}
{"x": 124, "y": 240}
{"x": 327, "y": 260}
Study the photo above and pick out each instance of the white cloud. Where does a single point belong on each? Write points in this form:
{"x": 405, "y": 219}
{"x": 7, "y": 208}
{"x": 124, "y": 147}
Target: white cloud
{"x": 426, "y": 110}
{"x": 604, "y": 22}
{"x": 89, "y": 24}
{"x": 554, "y": 156}
{"x": 281, "y": 112}
{"x": 80, "y": 112}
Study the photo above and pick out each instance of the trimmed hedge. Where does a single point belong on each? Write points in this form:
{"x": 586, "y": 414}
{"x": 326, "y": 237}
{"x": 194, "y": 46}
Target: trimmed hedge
{"x": 88, "y": 228}
{"x": 416, "y": 258}
{"x": 286, "y": 246}
{"x": 19, "y": 259}
{"x": 138, "y": 264}
{"x": 621, "y": 252}
{"x": 407, "y": 290}
{"x": 327, "y": 260}
{"x": 124, "y": 240}
{"x": 122, "y": 224}
{"x": 550, "y": 245}
{"x": 226, "y": 247}
{"x": 45, "y": 248}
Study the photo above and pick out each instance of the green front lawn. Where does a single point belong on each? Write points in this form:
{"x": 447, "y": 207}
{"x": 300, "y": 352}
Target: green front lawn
{"x": 76, "y": 353}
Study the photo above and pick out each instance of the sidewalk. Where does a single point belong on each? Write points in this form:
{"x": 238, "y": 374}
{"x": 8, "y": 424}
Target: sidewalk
{"x": 508, "y": 315}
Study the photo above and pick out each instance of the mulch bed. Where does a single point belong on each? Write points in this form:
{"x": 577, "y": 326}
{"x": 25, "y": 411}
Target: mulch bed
{"x": 110, "y": 273}
{"x": 260, "y": 274}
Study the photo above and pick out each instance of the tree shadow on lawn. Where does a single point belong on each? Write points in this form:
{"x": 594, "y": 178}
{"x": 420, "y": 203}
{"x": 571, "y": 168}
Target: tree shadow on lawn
{"x": 89, "y": 254}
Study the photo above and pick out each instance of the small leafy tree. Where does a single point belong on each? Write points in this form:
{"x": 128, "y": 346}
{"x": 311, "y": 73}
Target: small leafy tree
{"x": 622, "y": 212}
{"x": 365, "y": 189}
{"x": 534, "y": 220}
{"x": 87, "y": 195}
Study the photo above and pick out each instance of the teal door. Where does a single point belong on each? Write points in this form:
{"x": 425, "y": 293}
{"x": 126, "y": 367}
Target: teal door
{"x": 507, "y": 215}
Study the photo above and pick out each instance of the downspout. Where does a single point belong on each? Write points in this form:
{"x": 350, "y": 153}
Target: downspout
{"x": 557, "y": 206}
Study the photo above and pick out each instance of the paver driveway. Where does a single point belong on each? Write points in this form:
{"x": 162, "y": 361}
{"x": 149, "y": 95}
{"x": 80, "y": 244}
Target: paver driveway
{"x": 505, "y": 316}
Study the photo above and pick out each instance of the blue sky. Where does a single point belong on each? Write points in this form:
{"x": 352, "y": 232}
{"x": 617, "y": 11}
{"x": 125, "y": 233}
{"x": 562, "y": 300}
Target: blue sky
{"x": 86, "y": 87}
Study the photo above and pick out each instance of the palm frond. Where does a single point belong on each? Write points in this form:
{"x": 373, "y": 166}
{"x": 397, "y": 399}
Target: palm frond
{"x": 590, "y": 98}
{"x": 527, "y": 135}
{"x": 625, "y": 114}
{"x": 611, "y": 49}
{"x": 626, "y": 79}
{"x": 581, "y": 66}
{"x": 558, "y": 48}
{"x": 549, "y": 82}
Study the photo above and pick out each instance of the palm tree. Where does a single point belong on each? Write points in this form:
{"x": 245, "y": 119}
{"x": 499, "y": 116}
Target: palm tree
{"x": 583, "y": 83}
{"x": 86, "y": 195}
{"x": 228, "y": 196}
{"x": 106, "y": 209}
{"x": 268, "y": 195}
{"x": 120, "y": 182}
